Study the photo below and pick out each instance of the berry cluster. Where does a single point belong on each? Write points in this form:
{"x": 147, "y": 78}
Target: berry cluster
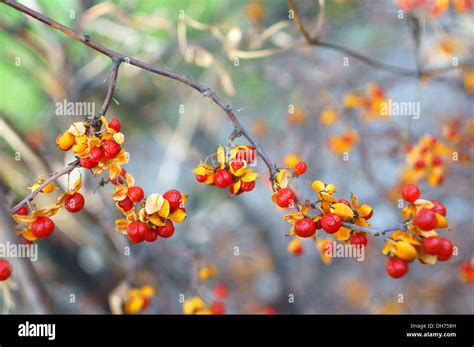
{"x": 230, "y": 171}
{"x": 370, "y": 103}
{"x": 344, "y": 142}
{"x": 347, "y": 222}
{"x": 39, "y": 225}
{"x": 426, "y": 160}
{"x": 419, "y": 240}
{"x": 434, "y": 8}
{"x": 326, "y": 213}
{"x": 153, "y": 217}
{"x": 97, "y": 145}
{"x": 200, "y": 305}
{"x": 138, "y": 299}
{"x": 459, "y": 133}
{"x": 5, "y": 270}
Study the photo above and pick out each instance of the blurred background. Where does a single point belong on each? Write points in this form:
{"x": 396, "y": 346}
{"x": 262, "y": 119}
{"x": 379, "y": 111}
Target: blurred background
{"x": 291, "y": 97}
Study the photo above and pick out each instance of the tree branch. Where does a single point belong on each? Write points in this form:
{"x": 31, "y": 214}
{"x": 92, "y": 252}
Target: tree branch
{"x": 118, "y": 58}
{"x": 314, "y": 41}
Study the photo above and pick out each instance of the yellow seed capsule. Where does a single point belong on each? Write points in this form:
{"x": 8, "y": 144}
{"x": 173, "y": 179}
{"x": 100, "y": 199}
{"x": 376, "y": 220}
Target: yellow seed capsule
{"x": 405, "y": 251}
{"x": 291, "y": 160}
{"x": 342, "y": 210}
{"x": 192, "y": 305}
{"x": 147, "y": 291}
{"x": 328, "y": 116}
{"x": 46, "y": 189}
{"x": 134, "y": 304}
{"x": 65, "y": 141}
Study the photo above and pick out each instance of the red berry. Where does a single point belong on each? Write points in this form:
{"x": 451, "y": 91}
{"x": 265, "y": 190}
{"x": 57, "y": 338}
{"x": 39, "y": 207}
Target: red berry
{"x": 95, "y": 155}
{"x": 74, "y": 202}
{"x": 285, "y": 197}
{"x": 298, "y": 251}
{"x": 146, "y": 303}
{"x": 432, "y": 245}
{"x": 151, "y": 235}
{"x": 221, "y": 291}
{"x": 446, "y": 250}
{"x": 436, "y": 161}
{"x": 218, "y": 308}
{"x": 318, "y": 224}
{"x": 174, "y": 198}
{"x": 137, "y": 231}
{"x": 268, "y": 310}
{"x": 87, "y": 163}
{"x": 358, "y": 239}
{"x": 331, "y": 222}
{"x": 440, "y": 179}
{"x": 419, "y": 164}
{"x": 42, "y": 227}
{"x": 166, "y": 230}
{"x": 22, "y": 211}
{"x": 237, "y": 164}
{"x": 345, "y": 202}
{"x": 114, "y": 123}
{"x": 410, "y": 192}
{"x": 438, "y": 208}
{"x": 396, "y": 267}
{"x": 247, "y": 186}
{"x": 222, "y": 178}
{"x": 120, "y": 179}
{"x": 305, "y": 227}
{"x": 201, "y": 178}
{"x": 231, "y": 189}
{"x": 126, "y": 204}
{"x": 300, "y": 168}
{"x": 110, "y": 149}
{"x": 5, "y": 269}
{"x": 135, "y": 193}
{"x": 425, "y": 219}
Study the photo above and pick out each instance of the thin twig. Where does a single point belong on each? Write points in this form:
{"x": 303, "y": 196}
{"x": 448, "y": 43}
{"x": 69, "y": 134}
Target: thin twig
{"x": 314, "y": 41}
{"x": 47, "y": 181}
{"x": 375, "y": 231}
{"x": 310, "y": 40}
{"x": 111, "y": 89}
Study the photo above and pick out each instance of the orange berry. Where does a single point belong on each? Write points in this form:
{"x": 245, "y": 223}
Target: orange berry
{"x": 65, "y": 141}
